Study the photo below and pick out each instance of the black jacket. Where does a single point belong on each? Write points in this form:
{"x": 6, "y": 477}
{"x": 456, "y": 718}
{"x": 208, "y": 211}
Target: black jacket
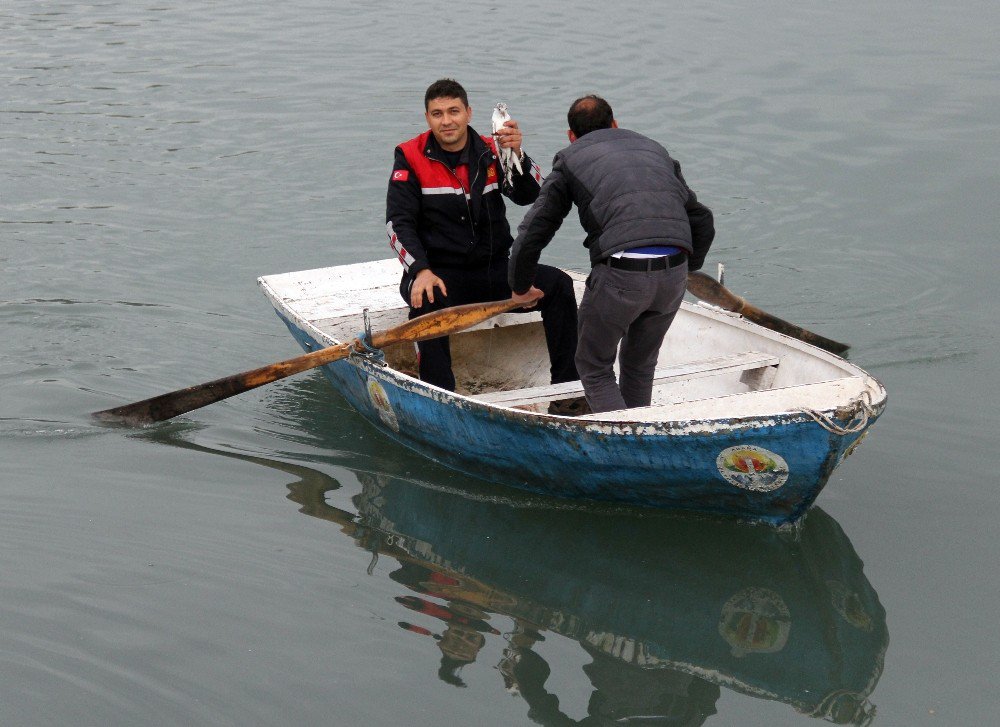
{"x": 629, "y": 193}
{"x": 432, "y": 222}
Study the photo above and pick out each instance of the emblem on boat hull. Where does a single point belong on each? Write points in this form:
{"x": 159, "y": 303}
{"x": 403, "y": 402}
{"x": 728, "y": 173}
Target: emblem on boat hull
{"x": 755, "y": 621}
{"x": 381, "y": 403}
{"x": 849, "y": 605}
{"x": 752, "y": 468}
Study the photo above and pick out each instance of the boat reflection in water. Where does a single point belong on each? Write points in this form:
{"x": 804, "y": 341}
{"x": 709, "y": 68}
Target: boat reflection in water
{"x": 669, "y": 608}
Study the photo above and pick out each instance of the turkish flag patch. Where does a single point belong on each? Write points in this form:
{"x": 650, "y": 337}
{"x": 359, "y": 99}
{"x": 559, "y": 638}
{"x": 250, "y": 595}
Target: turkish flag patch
{"x": 400, "y": 175}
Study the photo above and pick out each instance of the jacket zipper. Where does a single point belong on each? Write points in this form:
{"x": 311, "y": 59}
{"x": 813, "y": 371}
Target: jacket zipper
{"x": 468, "y": 206}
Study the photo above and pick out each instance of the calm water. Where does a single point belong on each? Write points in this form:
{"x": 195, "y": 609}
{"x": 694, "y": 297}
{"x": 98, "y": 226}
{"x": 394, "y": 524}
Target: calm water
{"x": 271, "y": 560}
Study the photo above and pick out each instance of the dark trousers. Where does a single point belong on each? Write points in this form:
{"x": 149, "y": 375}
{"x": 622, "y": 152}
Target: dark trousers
{"x": 634, "y": 309}
{"x": 558, "y": 309}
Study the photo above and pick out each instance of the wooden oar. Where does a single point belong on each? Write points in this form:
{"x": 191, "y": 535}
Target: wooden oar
{"x": 432, "y": 325}
{"x": 712, "y": 291}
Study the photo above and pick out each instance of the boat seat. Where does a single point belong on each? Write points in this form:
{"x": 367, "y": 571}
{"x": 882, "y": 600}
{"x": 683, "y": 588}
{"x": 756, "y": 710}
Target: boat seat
{"x": 737, "y": 362}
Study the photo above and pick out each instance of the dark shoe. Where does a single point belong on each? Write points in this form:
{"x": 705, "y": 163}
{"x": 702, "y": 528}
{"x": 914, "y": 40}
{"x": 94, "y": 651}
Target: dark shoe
{"x": 570, "y": 407}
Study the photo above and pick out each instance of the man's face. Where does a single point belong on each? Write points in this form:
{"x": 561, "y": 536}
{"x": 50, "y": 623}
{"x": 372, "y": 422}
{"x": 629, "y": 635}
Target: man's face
{"x": 448, "y": 119}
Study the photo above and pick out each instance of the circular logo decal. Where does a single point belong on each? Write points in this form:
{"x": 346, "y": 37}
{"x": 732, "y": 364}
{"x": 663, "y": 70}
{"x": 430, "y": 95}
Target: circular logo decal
{"x": 755, "y": 621}
{"x": 381, "y": 403}
{"x": 848, "y": 604}
{"x": 752, "y": 468}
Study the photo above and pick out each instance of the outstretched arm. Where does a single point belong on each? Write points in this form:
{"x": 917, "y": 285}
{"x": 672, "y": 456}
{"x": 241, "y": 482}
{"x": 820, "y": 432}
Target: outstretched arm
{"x": 702, "y": 224}
{"x": 538, "y": 227}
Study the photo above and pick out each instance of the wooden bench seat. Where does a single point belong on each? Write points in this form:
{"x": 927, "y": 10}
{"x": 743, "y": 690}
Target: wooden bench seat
{"x": 737, "y": 362}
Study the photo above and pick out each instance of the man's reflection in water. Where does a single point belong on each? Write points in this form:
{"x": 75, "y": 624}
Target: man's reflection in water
{"x": 624, "y": 693}
{"x": 465, "y": 624}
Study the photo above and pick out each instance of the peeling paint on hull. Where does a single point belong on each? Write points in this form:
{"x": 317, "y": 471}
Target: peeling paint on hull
{"x": 666, "y": 464}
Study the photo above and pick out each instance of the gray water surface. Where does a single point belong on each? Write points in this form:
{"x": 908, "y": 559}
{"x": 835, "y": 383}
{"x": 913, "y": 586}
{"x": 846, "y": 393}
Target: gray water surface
{"x": 252, "y": 562}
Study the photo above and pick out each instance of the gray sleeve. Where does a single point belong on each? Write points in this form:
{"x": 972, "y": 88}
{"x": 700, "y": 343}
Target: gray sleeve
{"x": 702, "y": 224}
{"x": 539, "y": 226}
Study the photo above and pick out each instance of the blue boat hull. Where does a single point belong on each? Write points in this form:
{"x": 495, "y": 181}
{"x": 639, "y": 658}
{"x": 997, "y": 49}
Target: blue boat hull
{"x": 679, "y": 465}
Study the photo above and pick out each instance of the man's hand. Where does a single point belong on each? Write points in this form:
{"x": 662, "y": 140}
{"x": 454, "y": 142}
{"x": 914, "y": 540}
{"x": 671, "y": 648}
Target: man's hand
{"x": 425, "y": 282}
{"x": 529, "y": 298}
{"x": 509, "y": 137}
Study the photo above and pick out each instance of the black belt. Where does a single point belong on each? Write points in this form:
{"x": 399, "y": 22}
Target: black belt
{"x": 646, "y": 264}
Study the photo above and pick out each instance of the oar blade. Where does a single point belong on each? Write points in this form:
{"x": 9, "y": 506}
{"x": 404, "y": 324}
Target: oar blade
{"x": 175, "y": 403}
{"x": 765, "y": 319}
{"x": 712, "y": 291}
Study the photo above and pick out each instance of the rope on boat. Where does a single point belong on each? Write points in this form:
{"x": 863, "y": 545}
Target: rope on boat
{"x": 865, "y": 410}
{"x": 376, "y": 355}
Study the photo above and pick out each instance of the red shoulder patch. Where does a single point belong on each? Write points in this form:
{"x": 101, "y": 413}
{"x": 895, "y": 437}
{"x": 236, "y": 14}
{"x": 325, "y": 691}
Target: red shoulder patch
{"x": 491, "y": 172}
{"x": 401, "y": 175}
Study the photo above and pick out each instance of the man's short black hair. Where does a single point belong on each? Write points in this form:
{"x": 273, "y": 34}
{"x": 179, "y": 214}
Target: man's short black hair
{"x": 589, "y": 113}
{"x": 445, "y": 88}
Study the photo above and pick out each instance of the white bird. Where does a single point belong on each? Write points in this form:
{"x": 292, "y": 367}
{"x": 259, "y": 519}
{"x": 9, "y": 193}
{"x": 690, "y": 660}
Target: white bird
{"x": 508, "y": 159}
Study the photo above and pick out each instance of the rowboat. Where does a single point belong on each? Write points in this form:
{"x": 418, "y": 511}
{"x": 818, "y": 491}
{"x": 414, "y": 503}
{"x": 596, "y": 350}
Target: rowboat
{"x": 744, "y": 422}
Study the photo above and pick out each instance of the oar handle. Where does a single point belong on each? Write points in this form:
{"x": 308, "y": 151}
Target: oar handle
{"x": 431, "y": 325}
{"x": 444, "y": 322}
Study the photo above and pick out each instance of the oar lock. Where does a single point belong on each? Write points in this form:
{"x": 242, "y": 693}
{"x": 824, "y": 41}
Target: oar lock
{"x": 375, "y": 355}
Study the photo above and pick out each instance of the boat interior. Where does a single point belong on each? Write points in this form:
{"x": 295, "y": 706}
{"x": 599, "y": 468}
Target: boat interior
{"x": 710, "y": 360}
